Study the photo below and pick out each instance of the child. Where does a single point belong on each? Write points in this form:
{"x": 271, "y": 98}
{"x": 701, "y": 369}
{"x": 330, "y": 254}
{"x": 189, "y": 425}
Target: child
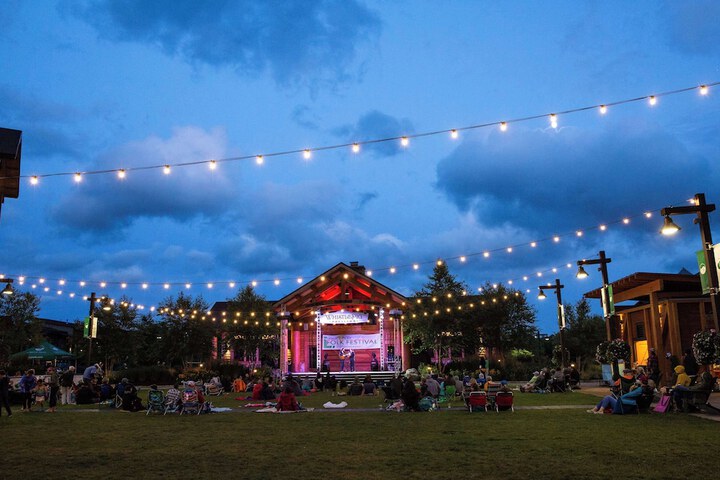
{"x": 41, "y": 393}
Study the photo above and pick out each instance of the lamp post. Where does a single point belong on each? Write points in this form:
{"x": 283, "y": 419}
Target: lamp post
{"x": 91, "y": 320}
{"x": 560, "y": 312}
{"x": 701, "y": 209}
{"x": 610, "y": 328}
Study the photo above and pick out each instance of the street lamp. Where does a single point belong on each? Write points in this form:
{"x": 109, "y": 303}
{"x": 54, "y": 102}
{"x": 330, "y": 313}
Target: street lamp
{"x": 8, "y": 290}
{"x": 560, "y": 312}
{"x": 91, "y": 323}
{"x": 607, "y": 308}
{"x": 701, "y": 209}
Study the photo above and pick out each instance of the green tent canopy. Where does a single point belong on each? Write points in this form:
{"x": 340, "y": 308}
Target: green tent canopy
{"x": 45, "y": 351}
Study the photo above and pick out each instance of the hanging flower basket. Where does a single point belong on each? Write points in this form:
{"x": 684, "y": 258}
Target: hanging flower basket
{"x": 601, "y": 352}
{"x": 618, "y": 350}
{"x": 706, "y": 347}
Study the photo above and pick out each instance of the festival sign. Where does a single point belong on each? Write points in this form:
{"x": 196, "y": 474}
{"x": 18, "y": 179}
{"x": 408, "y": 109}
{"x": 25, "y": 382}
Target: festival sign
{"x": 340, "y": 318}
{"x": 358, "y": 341}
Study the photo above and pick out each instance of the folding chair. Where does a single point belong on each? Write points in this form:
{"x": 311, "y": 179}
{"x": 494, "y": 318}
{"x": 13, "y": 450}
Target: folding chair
{"x": 477, "y": 401}
{"x": 504, "y": 401}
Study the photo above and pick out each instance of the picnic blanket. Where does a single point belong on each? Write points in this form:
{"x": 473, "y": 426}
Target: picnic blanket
{"x": 335, "y": 405}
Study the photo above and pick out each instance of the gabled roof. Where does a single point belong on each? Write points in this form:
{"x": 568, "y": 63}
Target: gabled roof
{"x": 340, "y": 285}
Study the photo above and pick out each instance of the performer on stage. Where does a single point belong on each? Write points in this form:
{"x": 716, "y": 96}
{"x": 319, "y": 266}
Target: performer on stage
{"x": 352, "y": 360}
{"x": 374, "y": 365}
{"x": 343, "y": 355}
{"x": 326, "y": 363}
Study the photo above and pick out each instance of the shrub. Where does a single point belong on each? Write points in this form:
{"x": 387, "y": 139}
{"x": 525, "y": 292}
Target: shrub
{"x": 706, "y": 347}
{"x": 156, "y": 374}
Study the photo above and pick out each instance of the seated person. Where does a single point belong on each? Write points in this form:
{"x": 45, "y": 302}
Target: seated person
{"x": 319, "y": 382}
{"x": 410, "y": 396}
{"x": 257, "y": 389}
{"x": 307, "y": 384}
{"x": 239, "y": 385}
{"x": 356, "y": 388}
{"x": 292, "y": 383}
{"x": 682, "y": 393}
{"x": 172, "y": 398}
{"x": 474, "y": 385}
{"x": 625, "y": 383}
{"x": 287, "y": 401}
{"x": 130, "y": 400}
{"x": 574, "y": 377}
{"x": 369, "y": 387}
{"x": 85, "y": 395}
{"x": 105, "y": 391}
{"x": 488, "y": 382}
{"x": 504, "y": 387}
{"x": 266, "y": 392}
{"x": 532, "y": 383}
{"x": 609, "y": 403}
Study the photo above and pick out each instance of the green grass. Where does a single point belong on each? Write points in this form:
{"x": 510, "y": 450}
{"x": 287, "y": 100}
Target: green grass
{"x": 565, "y": 443}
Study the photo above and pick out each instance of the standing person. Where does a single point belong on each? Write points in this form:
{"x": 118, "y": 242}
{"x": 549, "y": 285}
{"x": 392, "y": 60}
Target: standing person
{"x": 352, "y": 360}
{"x": 89, "y": 374}
{"x": 690, "y": 364}
{"x": 342, "y": 356}
{"x": 5, "y": 393}
{"x": 67, "y": 381}
{"x": 653, "y": 367}
{"x": 374, "y": 365}
{"x": 326, "y": 363}
{"x": 53, "y": 380}
{"x": 27, "y": 384}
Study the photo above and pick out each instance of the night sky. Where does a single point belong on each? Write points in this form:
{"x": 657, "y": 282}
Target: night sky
{"x": 126, "y": 84}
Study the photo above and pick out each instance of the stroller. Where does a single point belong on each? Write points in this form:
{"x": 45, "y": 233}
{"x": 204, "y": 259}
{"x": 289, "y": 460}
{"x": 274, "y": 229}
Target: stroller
{"x": 156, "y": 401}
{"x": 190, "y": 403}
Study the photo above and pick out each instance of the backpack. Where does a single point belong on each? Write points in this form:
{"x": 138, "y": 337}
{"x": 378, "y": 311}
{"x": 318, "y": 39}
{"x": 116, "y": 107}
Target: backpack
{"x": 426, "y": 404}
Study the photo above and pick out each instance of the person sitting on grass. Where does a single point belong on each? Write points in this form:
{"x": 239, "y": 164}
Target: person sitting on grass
{"x": 85, "y": 395}
{"x": 130, "y": 400}
{"x": 369, "y": 387}
{"x": 287, "y": 401}
{"x": 530, "y": 385}
{"x": 609, "y": 403}
{"x": 410, "y": 396}
{"x": 356, "y": 388}
{"x": 105, "y": 391}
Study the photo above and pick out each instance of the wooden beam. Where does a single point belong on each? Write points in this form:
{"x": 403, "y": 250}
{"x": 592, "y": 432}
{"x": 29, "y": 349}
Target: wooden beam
{"x": 639, "y": 291}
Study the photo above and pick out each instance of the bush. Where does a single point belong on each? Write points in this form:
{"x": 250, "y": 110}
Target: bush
{"x": 706, "y": 347}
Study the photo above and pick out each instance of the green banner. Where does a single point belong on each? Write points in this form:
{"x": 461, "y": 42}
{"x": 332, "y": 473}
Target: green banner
{"x": 86, "y": 327}
{"x": 703, "y": 271}
{"x": 611, "y": 301}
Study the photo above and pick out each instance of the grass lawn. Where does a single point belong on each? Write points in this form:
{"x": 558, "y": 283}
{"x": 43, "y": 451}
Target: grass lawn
{"x": 558, "y": 443}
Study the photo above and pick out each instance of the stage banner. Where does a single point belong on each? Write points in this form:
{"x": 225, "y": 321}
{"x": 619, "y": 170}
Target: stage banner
{"x": 340, "y": 318}
{"x": 338, "y": 342}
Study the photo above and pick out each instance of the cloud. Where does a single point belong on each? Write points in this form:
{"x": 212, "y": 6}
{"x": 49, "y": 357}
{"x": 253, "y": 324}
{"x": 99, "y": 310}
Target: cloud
{"x": 104, "y": 204}
{"x": 692, "y": 27}
{"x": 296, "y": 42}
{"x": 377, "y": 125}
{"x": 569, "y": 178}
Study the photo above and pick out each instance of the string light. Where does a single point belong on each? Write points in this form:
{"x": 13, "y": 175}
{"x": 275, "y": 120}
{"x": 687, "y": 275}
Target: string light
{"x": 259, "y": 160}
{"x": 212, "y": 165}
{"x": 34, "y": 180}
{"x": 307, "y": 154}
{"x": 121, "y": 173}
{"x": 503, "y": 126}
{"x": 652, "y": 99}
{"x": 78, "y": 178}
{"x": 404, "y": 141}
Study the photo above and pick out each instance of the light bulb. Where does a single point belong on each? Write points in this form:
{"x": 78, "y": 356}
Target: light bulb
{"x": 553, "y": 120}
{"x": 454, "y": 134}
{"x": 307, "y": 154}
{"x": 486, "y": 254}
{"x": 34, "y": 180}
{"x": 556, "y": 239}
{"x": 703, "y": 89}
{"x": 166, "y": 169}
{"x": 626, "y": 221}
{"x": 78, "y": 178}
{"x": 603, "y": 228}
{"x": 121, "y": 173}
{"x": 503, "y": 126}
{"x": 416, "y": 266}
{"x": 404, "y": 141}
{"x": 603, "y": 109}
{"x": 123, "y": 285}
{"x": 166, "y": 286}
{"x": 355, "y": 147}
{"x": 509, "y": 249}
{"x": 463, "y": 259}
{"x": 652, "y": 100}
{"x": 212, "y": 165}
{"x": 393, "y": 269}
{"x": 579, "y": 233}
{"x": 259, "y": 159}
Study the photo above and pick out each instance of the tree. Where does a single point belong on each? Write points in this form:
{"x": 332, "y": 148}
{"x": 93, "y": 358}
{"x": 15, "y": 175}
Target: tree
{"x": 437, "y": 318}
{"x": 20, "y": 328}
{"x": 185, "y": 336}
{"x": 583, "y": 332}
{"x": 251, "y": 330}
{"x": 505, "y": 319}
{"x": 117, "y": 339}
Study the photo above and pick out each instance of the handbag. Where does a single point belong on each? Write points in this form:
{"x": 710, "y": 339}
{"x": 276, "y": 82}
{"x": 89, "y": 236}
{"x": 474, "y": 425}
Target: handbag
{"x": 663, "y": 405}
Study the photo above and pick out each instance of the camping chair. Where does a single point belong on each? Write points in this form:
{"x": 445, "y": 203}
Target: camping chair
{"x": 504, "y": 401}
{"x": 476, "y": 401}
{"x": 190, "y": 403}
{"x": 156, "y": 402}
{"x": 713, "y": 401}
{"x": 213, "y": 389}
{"x": 447, "y": 395}
{"x": 628, "y": 403}
{"x": 172, "y": 402}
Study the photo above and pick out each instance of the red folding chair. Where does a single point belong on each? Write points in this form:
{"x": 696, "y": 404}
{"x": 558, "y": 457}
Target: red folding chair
{"x": 504, "y": 401}
{"x": 476, "y": 401}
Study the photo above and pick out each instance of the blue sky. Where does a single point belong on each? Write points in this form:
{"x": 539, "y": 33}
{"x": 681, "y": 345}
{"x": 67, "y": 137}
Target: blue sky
{"x": 126, "y": 84}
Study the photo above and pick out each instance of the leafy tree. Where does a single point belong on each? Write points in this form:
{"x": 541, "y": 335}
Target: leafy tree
{"x": 583, "y": 332}
{"x": 185, "y": 336}
{"x": 247, "y": 328}
{"x": 505, "y": 319}
{"x": 117, "y": 333}
{"x": 436, "y": 317}
{"x": 19, "y": 326}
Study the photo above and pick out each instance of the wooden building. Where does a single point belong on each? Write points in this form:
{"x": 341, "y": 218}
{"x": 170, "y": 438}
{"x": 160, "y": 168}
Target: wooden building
{"x": 340, "y": 310}
{"x": 666, "y": 311}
